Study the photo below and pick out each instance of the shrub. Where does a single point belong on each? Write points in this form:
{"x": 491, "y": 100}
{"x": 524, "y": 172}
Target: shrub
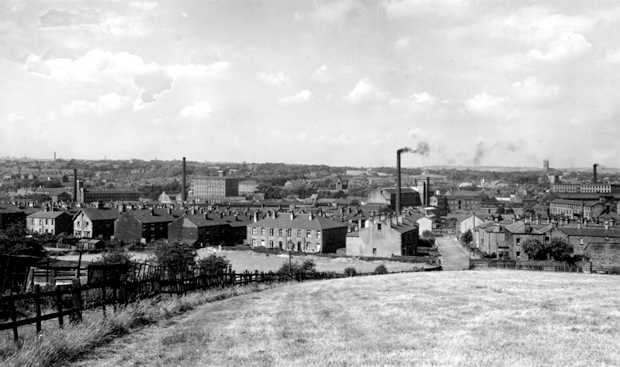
{"x": 467, "y": 238}
{"x": 350, "y": 271}
{"x": 381, "y": 269}
{"x": 116, "y": 256}
{"x": 178, "y": 257}
{"x": 213, "y": 264}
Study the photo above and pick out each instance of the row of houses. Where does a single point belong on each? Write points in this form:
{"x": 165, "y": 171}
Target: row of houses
{"x": 598, "y": 243}
{"x": 143, "y": 226}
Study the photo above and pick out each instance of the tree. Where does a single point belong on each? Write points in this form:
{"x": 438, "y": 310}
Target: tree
{"x": 560, "y": 250}
{"x": 177, "y": 257}
{"x": 213, "y": 264}
{"x": 467, "y": 238}
{"x": 350, "y": 271}
{"x": 13, "y": 241}
{"x": 381, "y": 269}
{"x": 115, "y": 256}
{"x": 535, "y": 250}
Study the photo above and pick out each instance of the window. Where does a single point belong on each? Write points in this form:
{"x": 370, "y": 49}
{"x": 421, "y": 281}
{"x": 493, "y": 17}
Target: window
{"x": 374, "y": 252}
{"x": 378, "y": 226}
{"x": 299, "y": 233}
{"x": 253, "y": 242}
{"x": 518, "y": 240}
{"x": 308, "y": 233}
{"x": 518, "y": 253}
{"x": 289, "y": 232}
{"x": 318, "y": 235}
{"x": 254, "y": 230}
{"x": 262, "y": 243}
{"x": 262, "y": 231}
{"x": 280, "y": 232}
{"x": 271, "y": 232}
{"x": 271, "y": 244}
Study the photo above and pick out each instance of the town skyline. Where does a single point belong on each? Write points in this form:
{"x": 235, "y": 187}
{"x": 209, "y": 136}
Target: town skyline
{"x": 342, "y": 82}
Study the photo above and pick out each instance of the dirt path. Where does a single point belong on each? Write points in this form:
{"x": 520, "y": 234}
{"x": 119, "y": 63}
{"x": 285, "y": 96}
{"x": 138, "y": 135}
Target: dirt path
{"x": 453, "y": 255}
{"x": 438, "y": 318}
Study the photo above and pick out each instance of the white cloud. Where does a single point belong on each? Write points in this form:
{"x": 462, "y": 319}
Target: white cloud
{"x": 278, "y": 79}
{"x": 301, "y": 97}
{"x": 566, "y": 46}
{"x": 402, "y": 43}
{"x": 612, "y": 57}
{"x": 533, "y": 90}
{"x": 321, "y": 74}
{"x": 197, "y": 111}
{"x": 538, "y": 24}
{"x": 106, "y": 103}
{"x": 364, "y": 91}
{"x": 411, "y": 8}
{"x": 143, "y": 5}
{"x": 216, "y": 70}
{"x": 335, "y": 10}
{"x": 484, "y": 102}
{"x": 91, "y": 67}
{"x": 416, "y": 102}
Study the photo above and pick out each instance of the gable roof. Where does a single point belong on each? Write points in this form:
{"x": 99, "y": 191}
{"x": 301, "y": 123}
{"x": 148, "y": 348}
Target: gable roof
{"x": 522, "y": 227}
{"x": 302, "y": 221}
{"x": 47, "y": 214}
{"x": 590, "y": 232}
{"x": 100, "y": 214}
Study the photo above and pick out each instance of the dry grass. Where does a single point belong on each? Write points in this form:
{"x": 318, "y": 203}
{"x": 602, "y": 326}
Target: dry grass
{"x": 60, "y": 346}
{"x": 477, "y": 318}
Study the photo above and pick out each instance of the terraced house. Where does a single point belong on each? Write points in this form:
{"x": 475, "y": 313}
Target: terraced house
{"x": 302, "y": 233}
{"x": 50, "y": 222}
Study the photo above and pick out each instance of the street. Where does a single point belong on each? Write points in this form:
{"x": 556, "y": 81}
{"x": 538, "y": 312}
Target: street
{"x": 453, "y": 255}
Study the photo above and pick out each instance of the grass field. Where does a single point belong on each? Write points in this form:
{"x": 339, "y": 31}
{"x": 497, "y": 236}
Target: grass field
{"x": 249, "y": 260}
{"x": 475, "y": 318}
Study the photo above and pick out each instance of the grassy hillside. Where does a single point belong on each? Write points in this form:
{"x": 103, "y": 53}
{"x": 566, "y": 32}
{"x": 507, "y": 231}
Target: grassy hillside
{"x": 501, "y": 318}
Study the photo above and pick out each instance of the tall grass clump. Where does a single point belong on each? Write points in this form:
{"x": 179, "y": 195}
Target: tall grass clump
{"x": 57, "y": 347}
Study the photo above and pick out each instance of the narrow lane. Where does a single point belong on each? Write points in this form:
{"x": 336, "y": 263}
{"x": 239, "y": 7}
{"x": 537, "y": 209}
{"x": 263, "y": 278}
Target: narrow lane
{"x": 453, "y": 255}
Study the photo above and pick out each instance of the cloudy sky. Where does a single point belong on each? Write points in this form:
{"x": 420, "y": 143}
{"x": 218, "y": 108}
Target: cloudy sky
{"x": 335, "y": 82}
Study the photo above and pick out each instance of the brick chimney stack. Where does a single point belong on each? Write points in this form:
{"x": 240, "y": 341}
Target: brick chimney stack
{"x": 184, "y": 182}
{"x": 594, "y": 173}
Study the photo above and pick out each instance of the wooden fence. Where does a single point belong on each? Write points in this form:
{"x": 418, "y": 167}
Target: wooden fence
{"x": 61, "y": 301}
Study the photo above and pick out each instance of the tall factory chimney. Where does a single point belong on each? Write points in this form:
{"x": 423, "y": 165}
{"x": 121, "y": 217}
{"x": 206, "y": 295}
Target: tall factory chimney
{"x": 594, "y": 173}
{"x": 398, "y": 179}
{"x": 75, "y": 185}
{"x": 427, "y": 193}
{"x": 398, "y": 183}
{"x": 184, "y": 182}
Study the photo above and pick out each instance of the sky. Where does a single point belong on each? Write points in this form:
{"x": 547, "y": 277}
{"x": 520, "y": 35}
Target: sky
{"x": 343, "y": 82}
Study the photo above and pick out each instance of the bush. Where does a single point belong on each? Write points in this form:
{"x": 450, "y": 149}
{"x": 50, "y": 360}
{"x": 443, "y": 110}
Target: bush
{"x": 178, "y": 257}
{"x": 350, "y": 271}
{"x": 467, "y": 238}
{"x": 306, "y": 267}
{"x": 213, "y": 264}
{"x": 381, "y": 269}
{"x": 115, "y": 256}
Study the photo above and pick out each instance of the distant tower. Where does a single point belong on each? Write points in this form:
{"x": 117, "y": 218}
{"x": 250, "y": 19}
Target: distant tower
{"x": 54, "y": 156}
{"x": 546, "y": 165}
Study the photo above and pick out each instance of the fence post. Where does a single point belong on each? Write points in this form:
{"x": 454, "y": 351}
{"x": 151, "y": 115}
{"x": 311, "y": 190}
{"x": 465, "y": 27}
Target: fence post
{"x": 14, "y": 319}
{"x": 37, "y": 305}
{"x": 59, "y": 306}
{"x": 233, "y": 278}
{"x": 76, "y": 299}
{"x": 103, "y": 299}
